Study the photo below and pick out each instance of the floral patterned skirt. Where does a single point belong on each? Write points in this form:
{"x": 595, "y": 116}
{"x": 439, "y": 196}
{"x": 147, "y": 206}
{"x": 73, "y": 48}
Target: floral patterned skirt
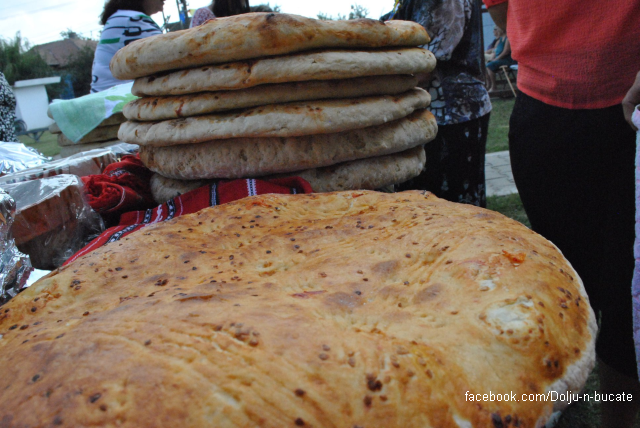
{"x": 455, "y": 163}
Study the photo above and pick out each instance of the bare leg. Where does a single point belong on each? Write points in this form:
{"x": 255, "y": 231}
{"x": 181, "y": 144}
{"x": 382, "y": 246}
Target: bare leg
{"x": 492, "y": 80}
{"x": 618, "y": 414}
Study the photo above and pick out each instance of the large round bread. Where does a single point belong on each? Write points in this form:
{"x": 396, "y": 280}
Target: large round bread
{"x": 255, "y": 35}
{"x": 254, "y": 157}
{"x": 327, "y": 310}
{"x": 278, "y": 120}
{"x": 326, "y": 65}
{"x": 174, "y": 107}
{"x": 362, "y": 174}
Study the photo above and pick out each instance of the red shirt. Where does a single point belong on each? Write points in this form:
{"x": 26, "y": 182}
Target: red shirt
{"x": 578, "y": 54}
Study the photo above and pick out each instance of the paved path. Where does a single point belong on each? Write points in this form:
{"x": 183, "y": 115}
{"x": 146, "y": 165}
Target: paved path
{"x": 498, "y": 174}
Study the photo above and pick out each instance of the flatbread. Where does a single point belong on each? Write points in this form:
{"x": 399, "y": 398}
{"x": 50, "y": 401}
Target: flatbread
{"x": 174, "y": 107}
{"x": 278, "y": 120}
{"x": 100, "y": 134}
{"x": 164, "y": 189}
{"x": 325, "y": 65}
{"x": 114, "y": 119}
{"x": 255, "y": 35}
{"x": 254, "y": 157}
{"x": 341, "y": 309}
{"x": 368, "y": 174}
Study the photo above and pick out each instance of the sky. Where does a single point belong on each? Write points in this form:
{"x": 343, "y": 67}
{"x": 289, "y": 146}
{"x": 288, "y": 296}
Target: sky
{"x": 42, "y": 21}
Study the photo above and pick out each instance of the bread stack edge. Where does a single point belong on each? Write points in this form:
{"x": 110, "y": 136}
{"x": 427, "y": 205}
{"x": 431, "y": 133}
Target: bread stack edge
{"x": 335, "y": 102}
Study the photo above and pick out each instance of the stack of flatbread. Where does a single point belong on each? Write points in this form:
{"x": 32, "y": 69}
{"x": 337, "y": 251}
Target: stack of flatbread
{"x": 105, "y": 135}
{"x": 266, "y": 94}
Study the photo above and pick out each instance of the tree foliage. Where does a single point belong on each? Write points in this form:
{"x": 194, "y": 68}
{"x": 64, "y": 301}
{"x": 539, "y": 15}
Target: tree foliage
{"x": 19, "y": 62}
{"x": 326, "y": 17}
{"x": 79, "y": 70}
{"x": 265, "y": 7}
{"x": 357, "y": 12}
{"x": 69, "y": 34}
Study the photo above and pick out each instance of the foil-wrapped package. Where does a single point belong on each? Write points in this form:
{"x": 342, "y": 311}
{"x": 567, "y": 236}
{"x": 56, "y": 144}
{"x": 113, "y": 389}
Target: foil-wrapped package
{"x": 16, "y": 157}
{"x": 81, "y": 164}
{"x": 15, "y": 267}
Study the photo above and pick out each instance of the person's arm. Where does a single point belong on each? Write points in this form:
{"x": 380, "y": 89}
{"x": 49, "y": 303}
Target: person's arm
{"x": 492, "y": 47}
{"x": 498, "y": 11}
{"x": 201, "y": 16}
{"x": 631, "y": 100}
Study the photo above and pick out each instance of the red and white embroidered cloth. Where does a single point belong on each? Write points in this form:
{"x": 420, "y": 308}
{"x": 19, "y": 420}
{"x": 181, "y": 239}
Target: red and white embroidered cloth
{"x": 207, "y": 196}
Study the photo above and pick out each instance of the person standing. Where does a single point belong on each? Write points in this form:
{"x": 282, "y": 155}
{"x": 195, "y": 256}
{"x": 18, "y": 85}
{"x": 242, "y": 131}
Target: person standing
{"x": 124, "y": 21}
{"x": 572, "y": 156}
{"x": 459, "y": 99}
{"x": 7, "y": 112}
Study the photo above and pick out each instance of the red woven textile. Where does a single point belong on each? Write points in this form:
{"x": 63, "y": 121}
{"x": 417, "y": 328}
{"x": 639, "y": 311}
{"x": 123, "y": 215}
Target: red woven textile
{"x": 122, "y": 187}
{"x": 203, "y": 197}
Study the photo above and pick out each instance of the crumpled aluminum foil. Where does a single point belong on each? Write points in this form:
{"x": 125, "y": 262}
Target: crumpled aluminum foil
{"x": 16, "y": 157}
{"x": 15, "y": 267}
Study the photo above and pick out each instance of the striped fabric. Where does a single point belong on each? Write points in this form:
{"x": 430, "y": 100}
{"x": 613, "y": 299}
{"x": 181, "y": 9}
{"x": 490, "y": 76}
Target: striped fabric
{"x": 210, "y": 195}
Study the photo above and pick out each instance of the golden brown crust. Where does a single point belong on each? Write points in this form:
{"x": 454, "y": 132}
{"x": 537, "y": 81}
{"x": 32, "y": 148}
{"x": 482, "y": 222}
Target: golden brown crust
{"x": 254, "y": 35}
{"x": 328, "y": 310}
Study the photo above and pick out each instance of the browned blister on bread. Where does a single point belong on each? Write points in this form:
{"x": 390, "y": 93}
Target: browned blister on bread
{"x": 341, "y": 309}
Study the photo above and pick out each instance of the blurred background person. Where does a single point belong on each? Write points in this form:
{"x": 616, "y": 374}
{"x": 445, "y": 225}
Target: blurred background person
{"x": 490, "y": 52}
{"x": 219, "y": 9}
{"x": 501, "y": 56}
{"x": 459, "y": 99}
{"x": 124, "y": 21}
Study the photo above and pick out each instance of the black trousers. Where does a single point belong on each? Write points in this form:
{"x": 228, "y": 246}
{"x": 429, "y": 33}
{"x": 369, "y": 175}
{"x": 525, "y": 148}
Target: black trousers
{"x": 455, "y": 163}
{"x": 574, "y": 170}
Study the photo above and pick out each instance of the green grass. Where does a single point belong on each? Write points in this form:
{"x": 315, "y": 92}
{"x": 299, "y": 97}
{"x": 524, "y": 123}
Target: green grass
{"x": 47, "y": 145}
{"x": 510, "y": 206}
{"x": 498, "y": 137}
{"x": 583, "y": 414}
